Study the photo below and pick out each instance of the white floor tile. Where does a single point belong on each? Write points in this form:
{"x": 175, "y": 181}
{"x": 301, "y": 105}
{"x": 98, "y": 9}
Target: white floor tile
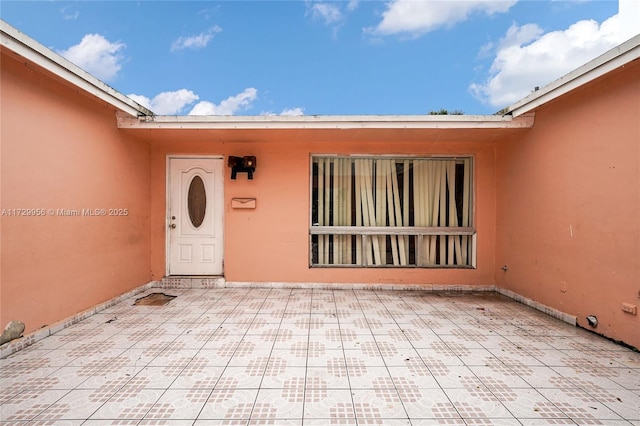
{"x": 318, "y": 357}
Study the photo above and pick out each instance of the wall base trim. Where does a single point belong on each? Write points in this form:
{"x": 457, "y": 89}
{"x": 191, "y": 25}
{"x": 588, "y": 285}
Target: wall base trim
{"x": 365, "y": 286}
{"x": 555, "y": 313}
{"x": 191, "y": 282}
{"x": 220, "y": 282}
{"x": 35, "y": 336}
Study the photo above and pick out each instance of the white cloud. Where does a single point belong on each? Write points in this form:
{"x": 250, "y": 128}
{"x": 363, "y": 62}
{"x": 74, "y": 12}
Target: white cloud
{"x": 198, "y": 41}
{"x": 96, "y": 55}
{"x": 629, "y": 15}
{"x": 208, "y": 12}
{"x": 517, "y": 36}
{"x": 419, "y": 17}
{"x": 328, "y": 12}
{"x": 174, "y": 103}
{"x": 289, "y": 112}
{"x": 297, "y": 111}
{"x": 293, "y": 111}
{"x": 525, "y": 59}
{"x": 229, "y": 106}
{"x": 67, "y": 14}
{"x": 141, "y": 99}
{"x": 167, "y": 103}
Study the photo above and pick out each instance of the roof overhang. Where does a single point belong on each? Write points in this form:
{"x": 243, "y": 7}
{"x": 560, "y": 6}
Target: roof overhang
{"x": 391, "y": 131}
{"x": 29, "y": 49}
{"x": 341, "y": 122}
{"x": 615, "y": 58}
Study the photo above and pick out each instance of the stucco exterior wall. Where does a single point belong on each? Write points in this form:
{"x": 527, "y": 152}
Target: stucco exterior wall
{"x": 568, "y": 206}
{"x": 84, "y": 203}
{"x": 271, "y": 243}
{"x": 61, "y": 150}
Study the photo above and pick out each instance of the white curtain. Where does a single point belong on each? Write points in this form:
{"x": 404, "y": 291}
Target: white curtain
{"x": 334, "y": 209}
{"x": 377, "y": 193}
{"x": 434, "y": 190}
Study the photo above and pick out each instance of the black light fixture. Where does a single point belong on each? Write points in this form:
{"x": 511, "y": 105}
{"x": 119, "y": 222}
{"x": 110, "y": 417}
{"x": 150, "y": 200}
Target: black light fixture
{"x": 246, "y": 164}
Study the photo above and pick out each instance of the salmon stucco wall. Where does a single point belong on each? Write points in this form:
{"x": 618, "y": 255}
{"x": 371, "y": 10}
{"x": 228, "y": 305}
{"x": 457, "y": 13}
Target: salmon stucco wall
{"x": 271, "y": 242}
{"x": 568, "y": 211}
{"x": 62, "y": 153}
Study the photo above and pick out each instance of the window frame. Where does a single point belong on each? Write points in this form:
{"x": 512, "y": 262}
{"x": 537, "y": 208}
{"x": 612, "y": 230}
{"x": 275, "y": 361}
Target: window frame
{"x": 367, "y": 232}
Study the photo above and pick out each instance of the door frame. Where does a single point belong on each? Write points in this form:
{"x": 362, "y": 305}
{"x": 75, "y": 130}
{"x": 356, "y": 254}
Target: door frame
{"x": 167, "y": 185}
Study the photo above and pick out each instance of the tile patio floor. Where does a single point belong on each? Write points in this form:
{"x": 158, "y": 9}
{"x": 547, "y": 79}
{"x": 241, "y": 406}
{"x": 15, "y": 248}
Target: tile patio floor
{"x": 246, "y": 356}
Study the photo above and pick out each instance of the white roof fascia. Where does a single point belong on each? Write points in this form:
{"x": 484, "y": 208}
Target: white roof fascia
{"x": 40, "y": 55}
{"x": 607, "y": 62}
{"x": 327, "y": 122}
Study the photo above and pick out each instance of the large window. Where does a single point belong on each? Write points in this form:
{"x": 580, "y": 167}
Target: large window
{"x": 392, "y": 211}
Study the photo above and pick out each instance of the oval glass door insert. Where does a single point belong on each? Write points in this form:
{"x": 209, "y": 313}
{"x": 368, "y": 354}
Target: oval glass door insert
{"x": 196, "y": 201}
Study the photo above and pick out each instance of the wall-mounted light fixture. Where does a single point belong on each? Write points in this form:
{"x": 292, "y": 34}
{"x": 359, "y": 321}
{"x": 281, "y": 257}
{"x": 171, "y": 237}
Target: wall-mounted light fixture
{"x": 245, "y": 164}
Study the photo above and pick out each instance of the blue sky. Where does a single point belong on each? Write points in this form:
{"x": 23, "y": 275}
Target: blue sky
{"x": 326, "y": 58}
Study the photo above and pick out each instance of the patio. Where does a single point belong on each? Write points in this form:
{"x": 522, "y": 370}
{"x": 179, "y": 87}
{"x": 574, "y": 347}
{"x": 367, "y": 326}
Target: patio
{"x": 279, "y": 356}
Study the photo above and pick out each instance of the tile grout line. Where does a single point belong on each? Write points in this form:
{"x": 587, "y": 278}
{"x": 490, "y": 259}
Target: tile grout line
{"x": 378, "y": 300}
{"x": 429, "y": 368}
{"x": 270, "y": 353}
{"x": 248, "y": 293}
{"x": 181, "y": 371}
{"x": 476, "y": 376}
{"x": 344, "y": 355}
{"x": 228, "y": 361}
{"x": 120, "y": 388}
{"x": 178, "y": 336}
{"x": 306, "y": 361}
{"x": 395, "y": 387}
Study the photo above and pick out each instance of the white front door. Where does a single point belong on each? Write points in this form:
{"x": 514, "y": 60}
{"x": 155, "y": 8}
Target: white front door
{"x": 194, "y": 216}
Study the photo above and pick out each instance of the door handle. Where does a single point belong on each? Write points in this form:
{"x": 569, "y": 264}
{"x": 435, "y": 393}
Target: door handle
{"x": 173, "y": 226}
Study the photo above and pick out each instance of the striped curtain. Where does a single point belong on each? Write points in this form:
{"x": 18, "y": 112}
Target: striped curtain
{"x": 388, "y": 192}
